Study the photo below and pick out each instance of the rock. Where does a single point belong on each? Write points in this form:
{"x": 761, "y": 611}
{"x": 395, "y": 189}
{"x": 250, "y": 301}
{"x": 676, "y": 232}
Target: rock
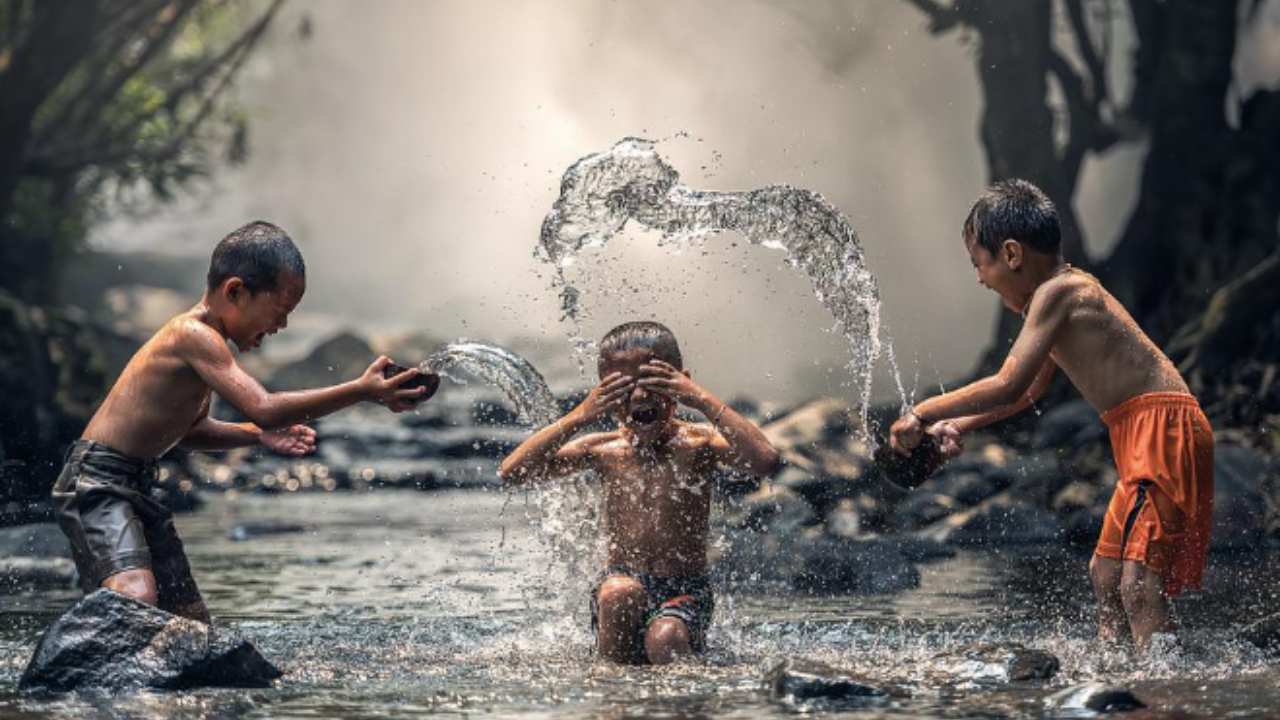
{"x": 844, "y": 521}
{"x": 1078, "y": 495}
{"x": 1069, "y": 425}
{"x": 820, "y": 421}
{"x": 921, "y": 509}
{"x": 1096, "y": 697}
{"x": 1264, "y": 633}
{"x": 34, "y": 540}
{"x": 111, "y": 642}
{"x": 820, "y": 563}
{"x": 971, "y": 488}
{"x": 1239, "y": 505}
{"x": 1083, "y": 527}
{"x": 803, "y": 680}
{"x": 997, "y": 521}
{"x": 341, "y": 357}
{"x": 1004, "y": 662}
{"x": 775, "y": 509}
{"x": 249, "y": 531}
{"x": 22, "y": 572}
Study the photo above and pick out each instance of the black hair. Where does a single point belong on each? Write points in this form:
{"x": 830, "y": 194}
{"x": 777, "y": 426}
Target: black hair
{"x": 1014, "y": 209}
{"x": 643, "y": 335}
{"x": 257, "y": 254}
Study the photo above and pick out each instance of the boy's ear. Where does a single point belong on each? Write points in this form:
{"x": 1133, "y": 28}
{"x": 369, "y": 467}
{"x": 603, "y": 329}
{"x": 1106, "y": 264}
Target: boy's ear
{"x": 1012, "y": 252}
{"x": 233, "y": 287}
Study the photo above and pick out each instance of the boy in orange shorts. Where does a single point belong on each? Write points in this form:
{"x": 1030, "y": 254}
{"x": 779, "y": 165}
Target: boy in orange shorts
{"x": 1155, "y": 538}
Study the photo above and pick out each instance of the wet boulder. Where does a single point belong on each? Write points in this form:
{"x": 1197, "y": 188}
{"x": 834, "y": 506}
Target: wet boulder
{"x": 1239, "y": 505}
{"x": 798, "y": 680}
{"x": 1094, "y": 697}
{"x": 821, "y": 563}
{"x": 1000, "y": 520}
{"x": 110, "y": 642}
{"x": 1264, "y": 633}
{"x": 36, "y": 572}
{"x": 253, "y": 530}
{"x": 1069, "y": 425}
{"x": 340, "y": 357}
{"x": 1000, "y": 662}
{"x": 34, "y": 540}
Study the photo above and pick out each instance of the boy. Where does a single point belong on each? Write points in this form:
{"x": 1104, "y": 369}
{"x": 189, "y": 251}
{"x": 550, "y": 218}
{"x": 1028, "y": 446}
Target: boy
{"x": 120, "y": 538}
{"x": 1155, "y": 538}
{"x": 653, "y": 601}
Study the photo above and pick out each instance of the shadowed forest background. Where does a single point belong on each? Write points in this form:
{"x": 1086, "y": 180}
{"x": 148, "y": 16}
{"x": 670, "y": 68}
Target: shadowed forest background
{"x": 412, "y": 148}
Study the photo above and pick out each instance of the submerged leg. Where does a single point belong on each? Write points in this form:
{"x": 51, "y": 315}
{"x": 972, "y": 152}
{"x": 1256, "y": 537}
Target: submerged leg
{"x": 1106, "y": 576}
{"x": 1148, "y": 609}
{"x": 621, "y": 601}
{"x": 667, "y": 640}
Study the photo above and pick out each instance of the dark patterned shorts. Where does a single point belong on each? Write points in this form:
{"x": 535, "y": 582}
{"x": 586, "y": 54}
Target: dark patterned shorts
{"x": 687, "y": 599}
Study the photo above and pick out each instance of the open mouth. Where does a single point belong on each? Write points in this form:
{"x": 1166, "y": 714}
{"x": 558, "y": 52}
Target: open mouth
{"x": 645, "y": 415}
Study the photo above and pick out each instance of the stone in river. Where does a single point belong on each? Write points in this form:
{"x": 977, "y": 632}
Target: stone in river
{"x": 111, "y": 642}
{"x": 801, "y": 680}
{"x": 1096, "y": 697}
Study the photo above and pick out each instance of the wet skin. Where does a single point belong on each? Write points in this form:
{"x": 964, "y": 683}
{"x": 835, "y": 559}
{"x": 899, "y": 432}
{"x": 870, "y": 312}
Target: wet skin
{"x": 162, "y": 397}
{"x": 1072, "y": 322}
{"x": 656, "y": 476}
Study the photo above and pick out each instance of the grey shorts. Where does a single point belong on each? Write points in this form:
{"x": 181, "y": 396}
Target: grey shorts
{"x": 103, "y": 504}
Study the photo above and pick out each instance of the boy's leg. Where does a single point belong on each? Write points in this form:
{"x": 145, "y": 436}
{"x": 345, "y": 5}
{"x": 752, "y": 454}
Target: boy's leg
{"x": 621, "y": 603}
{"x": 667, "y": 640}
{"x": 139, "y": 584}
{"x": 1142, "y": 591}
{"x": 176, "y": 588}
{"x": 1107, "y": 575}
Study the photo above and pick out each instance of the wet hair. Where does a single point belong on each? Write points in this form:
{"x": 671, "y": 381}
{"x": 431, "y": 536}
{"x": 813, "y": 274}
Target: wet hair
{"x": 258, "y": 254}
{"x": 642, "y": 335}
{"x": 1014, "y": 209}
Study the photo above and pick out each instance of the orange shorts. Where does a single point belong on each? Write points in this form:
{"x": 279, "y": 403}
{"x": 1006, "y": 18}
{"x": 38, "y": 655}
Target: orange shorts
{"x": 1162, "y": 509}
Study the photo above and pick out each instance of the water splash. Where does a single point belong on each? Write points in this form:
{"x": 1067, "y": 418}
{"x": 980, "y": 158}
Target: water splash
{"x": 566, "y": 511}
{"x": 600, "y": 193}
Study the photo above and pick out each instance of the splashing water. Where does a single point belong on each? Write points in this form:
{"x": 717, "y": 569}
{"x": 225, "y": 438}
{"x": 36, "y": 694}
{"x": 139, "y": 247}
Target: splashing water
{"x": 567, "y": 509}
{"x": 600, "y": 193}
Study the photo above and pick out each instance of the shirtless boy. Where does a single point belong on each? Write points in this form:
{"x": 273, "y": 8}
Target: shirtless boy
{"x": 653, "y": 601}
{"x": 1155, "y": 538}
{"x": 123, "y": 540}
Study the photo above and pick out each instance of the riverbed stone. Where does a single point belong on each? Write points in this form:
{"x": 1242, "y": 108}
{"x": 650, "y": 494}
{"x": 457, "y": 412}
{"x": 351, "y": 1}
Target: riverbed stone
{"x": 1000, "y": 520}
{"x": 800, "y": 680}
{"x": 1095, "y": 697}
{"x": 1006, "y": 662}
{"x": 825, "y": 564}
{"x": 34, "y": 540}
{"x": 1239, "y": 505}
{"x": 36, "y": 572}
{"x": 111, "y": 642}
{"x": 1264, "y": 633}
{"x": 1069, "y": 425}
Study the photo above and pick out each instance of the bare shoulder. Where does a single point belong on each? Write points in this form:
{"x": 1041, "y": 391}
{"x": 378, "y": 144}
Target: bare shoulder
{"x": 598, "y": 442}
{"x": 1068, "y": 290}
{"x": 193, "y": 338}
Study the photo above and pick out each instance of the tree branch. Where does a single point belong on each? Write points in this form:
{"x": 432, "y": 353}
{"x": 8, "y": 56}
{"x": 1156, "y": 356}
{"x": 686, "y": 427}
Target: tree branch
{"x": 941, "y": 17}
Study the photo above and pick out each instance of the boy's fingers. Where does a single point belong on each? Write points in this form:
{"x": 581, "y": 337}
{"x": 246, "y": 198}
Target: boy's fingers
{"x": 409, "y": 393}
{"x": 400, "y": 378}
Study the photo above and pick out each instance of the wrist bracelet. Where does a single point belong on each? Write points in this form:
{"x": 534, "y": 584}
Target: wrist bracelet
{"x": 716, "y": 420}
{"x": 912, "y": 412}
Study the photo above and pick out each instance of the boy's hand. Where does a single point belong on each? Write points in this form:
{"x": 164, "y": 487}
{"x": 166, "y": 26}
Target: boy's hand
{"x": 905, "y": 434}
{"x": 948, "y": 437}
{"x": 664, "y": 379}
{"x": 387, "y": 390}
{"x": 609, "y": 394}
{"x": 296, "y": 440}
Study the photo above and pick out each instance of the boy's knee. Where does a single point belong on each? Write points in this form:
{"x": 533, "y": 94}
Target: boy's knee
{"x": 1140, "y": 589}
{"x": 137, "y": 584}
{"x": 621, "y": 593}
{"x": 1105, "y": 574}
{"x": 666, "y": 640}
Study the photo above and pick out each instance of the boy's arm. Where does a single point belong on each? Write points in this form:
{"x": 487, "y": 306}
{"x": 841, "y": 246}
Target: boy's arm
{"x": 208, "y": 354}
{"x": 739, "y": 443}
{"x": 210, "y": 434}
{"x": 549, "y": 453}
{"x": 1026, "y": 359}
{"x": 1038, "y": 387}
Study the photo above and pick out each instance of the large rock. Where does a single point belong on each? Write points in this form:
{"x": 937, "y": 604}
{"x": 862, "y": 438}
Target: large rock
{"x": 805, "y": 680}
{"x": 1264, "y": 633}
{"x": 111, "y": 642}
{"x": 339, "y": 358}
{"x": 1094, "y": 697}
{"x": 34, "y": 540}
{"x": 1069, "y": 425}
{"x": 825, "y": 564}
{"x": 1239, "y": 505}
{"x": 1002, "y": 662}
{"x": 1000, "y": 520}
{"x": 36, "y": 572}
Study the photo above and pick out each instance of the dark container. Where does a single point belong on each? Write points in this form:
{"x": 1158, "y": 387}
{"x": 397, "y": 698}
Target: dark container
{"x": 429, "y": 380}
{"x": 909, "y": 472}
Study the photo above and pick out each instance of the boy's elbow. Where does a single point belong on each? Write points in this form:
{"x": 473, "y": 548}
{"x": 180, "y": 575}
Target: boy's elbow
{"x": 767, "y": 463}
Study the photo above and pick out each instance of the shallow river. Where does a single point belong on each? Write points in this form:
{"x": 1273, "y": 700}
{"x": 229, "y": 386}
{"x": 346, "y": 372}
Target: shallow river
{"x": 400, "y": 604}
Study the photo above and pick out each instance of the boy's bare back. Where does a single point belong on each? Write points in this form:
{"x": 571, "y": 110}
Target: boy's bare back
{"x": 656, "y": 501}
{"x": 1096, "y": 342}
